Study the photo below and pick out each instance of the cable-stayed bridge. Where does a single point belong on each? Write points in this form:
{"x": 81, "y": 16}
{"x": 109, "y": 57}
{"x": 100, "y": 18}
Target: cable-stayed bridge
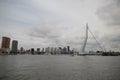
{"x": 84, "y": 43}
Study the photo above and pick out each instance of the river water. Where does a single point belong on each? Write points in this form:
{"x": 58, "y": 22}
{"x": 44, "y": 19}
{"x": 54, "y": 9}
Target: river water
{"x": 59, "y": 67}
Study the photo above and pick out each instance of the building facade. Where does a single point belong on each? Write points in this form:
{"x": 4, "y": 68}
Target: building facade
{"x": 5, "y": 42}
{"x": 0, "y": 51}
{"x": 5, "y": 45}
{"x": 14, "y": 46}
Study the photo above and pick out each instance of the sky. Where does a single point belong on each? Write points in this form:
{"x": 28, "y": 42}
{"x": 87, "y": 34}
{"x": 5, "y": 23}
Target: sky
{"x": 54, "y": 23}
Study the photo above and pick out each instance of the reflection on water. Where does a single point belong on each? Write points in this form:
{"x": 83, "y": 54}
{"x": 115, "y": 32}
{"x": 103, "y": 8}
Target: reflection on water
{"x": 59, "y": 67}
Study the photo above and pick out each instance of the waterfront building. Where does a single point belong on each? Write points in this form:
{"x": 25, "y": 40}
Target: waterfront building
{"x": 61, "y": 50}
{"x": 38, "y": 50}
{"x": 55, "y": 50}
{"x": 52, "y": 50}
{"x": 22, "y": 51}
{"x": 47, "y": 51}
{"x": 64, "y": 50}
{"x": 42, "y": 51}
{"x": 14, "y": 46}
{"x": 0, "y": 51}
{"x": 68, "y": 48}
{"x": 5, "y": 46}
{"x": 32, "y": 51}
{"x": 58, "y": 51}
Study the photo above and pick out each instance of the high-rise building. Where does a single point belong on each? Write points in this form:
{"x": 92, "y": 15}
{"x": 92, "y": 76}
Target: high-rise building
{"x": 42, "y": 50}
{"x": 68, "y": 48}
{"x": 64, "y": 50}
{"x": 5, "y": 42}
{"x": 38, "y": 50}
{"x": 22, "y": 50}
{"x": 0, "y": 50}
{"x": 5, "y": 45}
{"x": 14, "y": 46}
{"x": 32, "y": 51}
{"x": 48, "y": 50}
{"x": 61, "y": 50}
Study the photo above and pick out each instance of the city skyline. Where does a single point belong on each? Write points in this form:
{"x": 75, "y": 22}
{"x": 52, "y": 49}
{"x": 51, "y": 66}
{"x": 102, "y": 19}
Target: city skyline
{"x": 40, "y": 23}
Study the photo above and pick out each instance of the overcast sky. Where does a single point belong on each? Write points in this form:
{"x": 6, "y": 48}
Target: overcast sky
{"x": 43, "y": 23}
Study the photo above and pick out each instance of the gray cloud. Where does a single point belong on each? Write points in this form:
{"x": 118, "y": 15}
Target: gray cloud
{"x": 49, "y": 33}
{"x": 110, "y": 13}
{"x": 53, "y": 33}
{"x": 43, "y": 32}
{"x": 17, "y": 17}
{"x": 111, "y": 41}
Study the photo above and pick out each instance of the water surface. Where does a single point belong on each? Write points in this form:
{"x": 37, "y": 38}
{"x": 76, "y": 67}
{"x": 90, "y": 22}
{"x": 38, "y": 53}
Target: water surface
{"x": 59, "y": 67}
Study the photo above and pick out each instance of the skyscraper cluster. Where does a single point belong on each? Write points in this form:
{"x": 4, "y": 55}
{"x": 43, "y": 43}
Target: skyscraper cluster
{"x": 5, "y": 46}
{"x": 48, "y": 50}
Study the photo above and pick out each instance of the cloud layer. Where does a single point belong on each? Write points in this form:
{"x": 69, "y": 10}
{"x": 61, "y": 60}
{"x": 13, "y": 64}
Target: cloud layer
{"x": 109, "y": 14}
{"x": 43, "y": 23}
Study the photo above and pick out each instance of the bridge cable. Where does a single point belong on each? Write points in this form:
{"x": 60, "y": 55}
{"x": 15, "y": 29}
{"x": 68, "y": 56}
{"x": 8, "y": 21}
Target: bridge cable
{"x": 96, "y": 40}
